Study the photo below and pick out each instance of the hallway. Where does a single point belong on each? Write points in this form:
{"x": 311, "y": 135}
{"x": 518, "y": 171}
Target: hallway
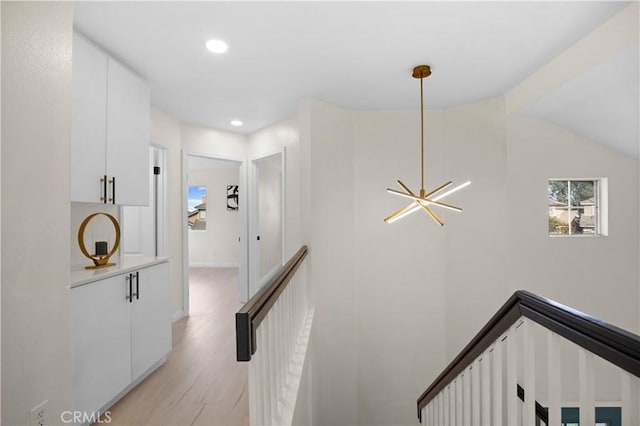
{"x": 201, "y": 383}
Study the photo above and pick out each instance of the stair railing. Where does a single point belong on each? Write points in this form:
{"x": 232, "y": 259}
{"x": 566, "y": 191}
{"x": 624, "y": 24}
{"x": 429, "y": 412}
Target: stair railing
{"x": 486, "y": 383}
{"x": 272, "y": 332}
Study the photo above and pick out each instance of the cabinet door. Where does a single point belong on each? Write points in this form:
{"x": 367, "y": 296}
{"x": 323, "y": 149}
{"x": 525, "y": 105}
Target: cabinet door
{"x": 88, "y": 121}
{"x": 150, "y": 318}
{"x": 128, "y": 135}
{"x": 101, "y": 339}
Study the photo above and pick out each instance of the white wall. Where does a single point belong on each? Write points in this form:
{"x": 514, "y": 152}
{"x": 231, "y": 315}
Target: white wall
{"x": 598, "y": 276}
{"x": 476, "y": 255}
{"x": 36, "y": 119}
{"x": 417, "y": 293}
{"x": 218, "y": 244}
{"x": 327, "y": 209}
{"x": 165, "y": 131}
{"x": 214, "y": 143}
{"x": 399, "y": 267}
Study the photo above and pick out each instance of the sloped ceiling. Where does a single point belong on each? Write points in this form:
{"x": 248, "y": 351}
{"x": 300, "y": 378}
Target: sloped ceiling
{"x": 600, "y": 105}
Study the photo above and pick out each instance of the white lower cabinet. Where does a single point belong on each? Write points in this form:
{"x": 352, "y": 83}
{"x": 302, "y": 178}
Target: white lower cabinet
{"x": 150, "y": 326}
{"x": 121, "y": 328}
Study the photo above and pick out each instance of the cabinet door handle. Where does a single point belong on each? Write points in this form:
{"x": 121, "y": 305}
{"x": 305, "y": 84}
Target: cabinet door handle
{"x": 129, "y": 279}
{"x": 137, "y": 285}
{"x": 112, "y": 181}
{"x": 103, "y": 196}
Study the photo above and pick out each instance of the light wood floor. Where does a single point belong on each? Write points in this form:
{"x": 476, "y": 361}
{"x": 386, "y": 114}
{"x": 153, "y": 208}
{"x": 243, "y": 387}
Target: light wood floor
{"x": 201, "y": 383}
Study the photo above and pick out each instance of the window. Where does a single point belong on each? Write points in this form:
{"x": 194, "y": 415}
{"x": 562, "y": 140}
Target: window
{"x": 197, "y": 208}
{"x": 575, "y": 207}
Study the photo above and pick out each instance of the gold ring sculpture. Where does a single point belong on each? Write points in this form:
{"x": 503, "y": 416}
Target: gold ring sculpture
{"x": 100, "y": 261}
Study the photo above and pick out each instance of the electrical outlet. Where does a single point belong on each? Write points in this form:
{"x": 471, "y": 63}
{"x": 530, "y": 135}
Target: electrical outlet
{"x": 38, "y": 415}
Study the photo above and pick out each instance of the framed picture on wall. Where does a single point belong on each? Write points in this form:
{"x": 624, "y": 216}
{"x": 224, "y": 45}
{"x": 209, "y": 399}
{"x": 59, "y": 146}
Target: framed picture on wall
{"x": 232, "y": 197}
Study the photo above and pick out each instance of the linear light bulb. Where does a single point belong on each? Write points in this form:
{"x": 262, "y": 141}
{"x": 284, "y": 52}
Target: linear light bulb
{"x": 451, "y": 191}
{"x": 415, "y": 208}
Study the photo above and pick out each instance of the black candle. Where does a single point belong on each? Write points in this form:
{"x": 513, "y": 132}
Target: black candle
{"x": 101, "y": 248}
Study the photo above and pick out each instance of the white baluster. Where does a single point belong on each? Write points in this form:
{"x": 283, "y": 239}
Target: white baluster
{"x": 446, "y": 394}
{"x": 423, "y": 416}
{"x": 626, "y": 407}
{"x": 432, "y": 418}
{"x": 272, "y": 367}
{"x": 287, "y": 348}
{"x": 475, "y": 392}
{"x": 466, "y": 398}
{"x": 452, "y": 403}
{"x": 529, "y": 385}
{"x": 256, "y": 404}
{"x": 266, "y": 371}
{"x": 586, "y": 381}
{"x": 497, "y": 383}
{"x": 275, "y": 314}
{"x": 512, "y": 378}
{"x": 291, "y": 320}
{"x": 485, "y": 395}
{"x": 458, "y": 387}
{"x": 554, "y": 374}
{"x": 441, "y": 408}
{"x": 291, "y": 323}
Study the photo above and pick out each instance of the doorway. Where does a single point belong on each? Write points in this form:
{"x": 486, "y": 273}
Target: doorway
{"x": 214, "y": 218}
{"x": 267, "y": 218}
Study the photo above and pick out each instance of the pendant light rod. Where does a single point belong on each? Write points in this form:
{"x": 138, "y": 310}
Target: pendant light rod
{"x": 421, "y": 72}
{"x": 421, "y": 137}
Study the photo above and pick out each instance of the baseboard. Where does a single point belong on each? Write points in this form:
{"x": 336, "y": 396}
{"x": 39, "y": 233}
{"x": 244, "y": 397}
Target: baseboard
{"x": 177, "y": 315}
{"x": 213, "y": 265}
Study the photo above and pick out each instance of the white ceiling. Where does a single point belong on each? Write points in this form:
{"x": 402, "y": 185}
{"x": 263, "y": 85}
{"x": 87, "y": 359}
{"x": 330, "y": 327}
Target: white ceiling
{"x": 357, "y": 55}
{"x": 601, "y": 104}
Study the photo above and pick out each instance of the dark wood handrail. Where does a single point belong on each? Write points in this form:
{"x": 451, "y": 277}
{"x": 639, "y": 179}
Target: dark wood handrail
{"x": 614, "y": 344}
{"x": 255, "y": 310}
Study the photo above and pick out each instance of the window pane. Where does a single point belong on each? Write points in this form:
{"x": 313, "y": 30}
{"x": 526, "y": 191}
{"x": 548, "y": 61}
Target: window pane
{"x": 558, "y": 207}
{"x": 558, "y": 190}
{"x": 583, "y": 199}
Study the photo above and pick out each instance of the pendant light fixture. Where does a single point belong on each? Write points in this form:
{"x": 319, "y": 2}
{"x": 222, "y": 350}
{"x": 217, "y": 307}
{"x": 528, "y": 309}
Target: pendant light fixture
{"x": 424, "y": 199}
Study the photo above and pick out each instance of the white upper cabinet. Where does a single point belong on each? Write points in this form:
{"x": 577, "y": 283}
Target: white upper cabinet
{"x": 88, "y": 121}
{"x": 109, "y": 130}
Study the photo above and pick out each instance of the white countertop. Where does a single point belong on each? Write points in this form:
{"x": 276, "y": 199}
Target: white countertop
{"x": 123, "y": 265}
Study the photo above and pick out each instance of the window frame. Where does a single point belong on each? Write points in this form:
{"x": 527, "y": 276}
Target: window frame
{"x": 599, "y": 187}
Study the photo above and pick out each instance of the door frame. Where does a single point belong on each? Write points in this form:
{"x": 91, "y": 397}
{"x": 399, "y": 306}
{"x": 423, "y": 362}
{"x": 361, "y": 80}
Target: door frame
{"x": 162, "y": 210}
{"x": 243, "y": 280}
{"x": 255, "y": 281}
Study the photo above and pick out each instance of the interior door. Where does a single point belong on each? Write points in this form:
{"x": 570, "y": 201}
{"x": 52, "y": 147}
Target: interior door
{"x": 267, "y": 219}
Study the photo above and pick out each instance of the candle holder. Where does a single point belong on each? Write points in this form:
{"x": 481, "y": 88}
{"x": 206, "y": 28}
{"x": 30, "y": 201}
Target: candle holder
{"x": 99, "y": 261}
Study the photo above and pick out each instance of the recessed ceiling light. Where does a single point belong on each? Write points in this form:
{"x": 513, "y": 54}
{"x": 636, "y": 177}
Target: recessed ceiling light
{"x": 217, "y": 46}
{"x": 236, "y": 123}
